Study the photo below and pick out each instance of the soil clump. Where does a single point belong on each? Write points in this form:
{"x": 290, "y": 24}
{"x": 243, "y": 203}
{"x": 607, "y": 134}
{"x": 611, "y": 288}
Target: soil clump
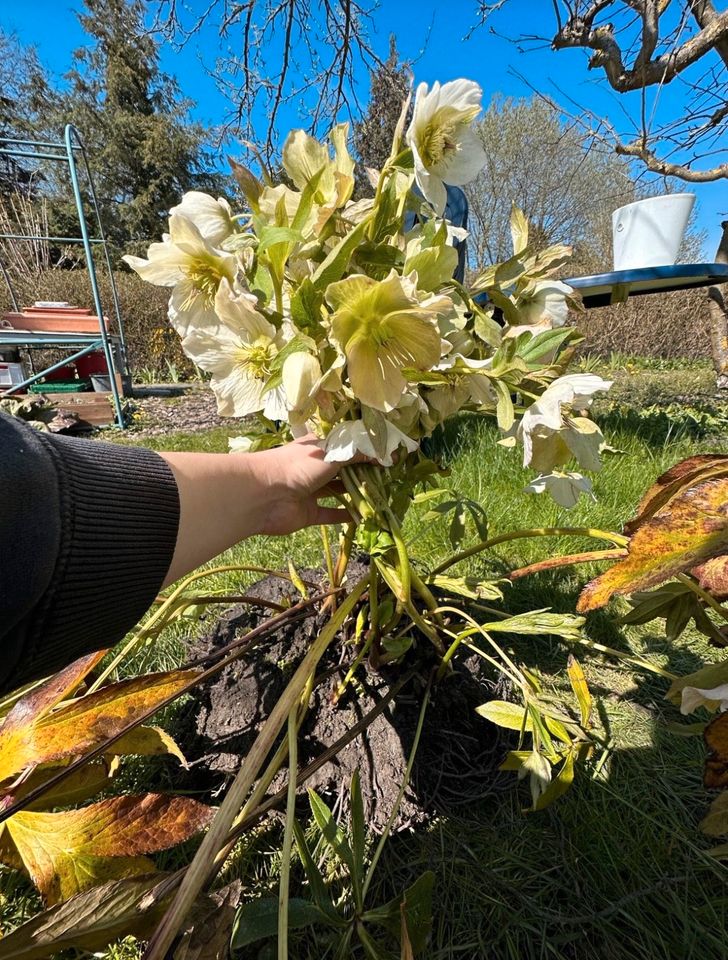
{"x": 459, "y": 752}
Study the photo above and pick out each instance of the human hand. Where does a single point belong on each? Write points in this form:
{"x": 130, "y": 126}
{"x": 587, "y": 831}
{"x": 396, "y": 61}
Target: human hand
{"x": 296, "y": 477}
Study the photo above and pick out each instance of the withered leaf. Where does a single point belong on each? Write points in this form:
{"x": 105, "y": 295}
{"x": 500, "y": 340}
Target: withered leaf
{"x": 77, "y": 787}
{"x": 90, "y": 920}
{"x": 77, "y": 727}
{"x": 715, "y": 774}
{"x": 682, "y": 475}
{"x": 64, "y": 853}
{"x": 689, "y": 530}
{"x": 713, "y": 576}
{"x": 42, "y": 699}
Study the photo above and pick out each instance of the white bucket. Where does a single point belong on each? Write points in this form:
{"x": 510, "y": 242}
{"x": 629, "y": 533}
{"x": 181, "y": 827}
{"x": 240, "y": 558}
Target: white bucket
{"x": 648, "y": 233}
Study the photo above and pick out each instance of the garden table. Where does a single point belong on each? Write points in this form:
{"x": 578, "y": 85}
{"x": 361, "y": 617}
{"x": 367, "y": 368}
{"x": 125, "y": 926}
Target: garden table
{"x": 603, "y": 289}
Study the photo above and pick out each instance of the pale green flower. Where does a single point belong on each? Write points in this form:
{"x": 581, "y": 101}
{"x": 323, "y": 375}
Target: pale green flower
{"x": 303, "y": 157}
{"x": 189, "y": 263}
{"x": 239, "y": 354}
{"x": 543, "y": 423}
{"x": 445, "y": 147}
{"x": 352, "y": 437}
{"x": 213, "y": 218}
{"x": 383, "y": 329}
{"x": 564, "y": 488}
{"x": 712, "y": 699}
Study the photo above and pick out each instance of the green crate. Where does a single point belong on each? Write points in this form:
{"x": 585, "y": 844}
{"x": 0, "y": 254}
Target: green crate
{"x": 61, "y": 386}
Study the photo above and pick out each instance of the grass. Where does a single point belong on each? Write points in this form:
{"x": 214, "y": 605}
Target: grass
{"x": 615, "y": 870}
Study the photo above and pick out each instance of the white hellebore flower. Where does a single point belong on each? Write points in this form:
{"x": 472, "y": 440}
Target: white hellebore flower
{"x": 445, "y": 147}
{"x": 213, "y": 218}
{"x": 694, "y": 697}
{"x": 189, "y": 263}
{"x": 544, "y": 419}
{"x": 352, "y": 436}
{"x": 546, "y": 305}
{"x": 564, "y": 488}
{"x": 238, "y": 354}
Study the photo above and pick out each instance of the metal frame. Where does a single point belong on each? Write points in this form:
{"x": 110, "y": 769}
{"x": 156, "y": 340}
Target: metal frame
{"x": 67, "y": 152}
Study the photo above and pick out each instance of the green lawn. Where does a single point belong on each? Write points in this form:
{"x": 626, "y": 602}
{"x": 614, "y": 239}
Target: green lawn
{"x": 616, "y": 869}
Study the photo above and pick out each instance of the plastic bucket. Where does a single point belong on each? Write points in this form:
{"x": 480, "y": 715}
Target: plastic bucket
{"x": 67, "y": 372}
{"x": 91, "y": 364}
{"x": 648, "y": 233}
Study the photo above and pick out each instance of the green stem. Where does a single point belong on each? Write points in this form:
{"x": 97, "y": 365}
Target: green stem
{"x": 200, "y": 868}
{"x": 403, "y": 786}
{"x": 704, "y": 595}
{"x": 614, "y": 538}
{"x": 288, "y": 837}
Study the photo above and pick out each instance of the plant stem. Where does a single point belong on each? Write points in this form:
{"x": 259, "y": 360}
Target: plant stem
{"x": 403, "y": 786}
{"x": 199, "y": 870}
{"x": 615, "y": 538}
{"x": 288, "y": 837}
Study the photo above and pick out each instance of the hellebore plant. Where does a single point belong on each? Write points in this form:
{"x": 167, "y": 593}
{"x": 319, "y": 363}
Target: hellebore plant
{"x": 318, "y": 314}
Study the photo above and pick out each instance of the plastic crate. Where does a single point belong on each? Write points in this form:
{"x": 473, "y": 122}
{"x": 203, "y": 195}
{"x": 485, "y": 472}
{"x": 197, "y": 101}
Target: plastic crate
{"x": 61, "y": 386}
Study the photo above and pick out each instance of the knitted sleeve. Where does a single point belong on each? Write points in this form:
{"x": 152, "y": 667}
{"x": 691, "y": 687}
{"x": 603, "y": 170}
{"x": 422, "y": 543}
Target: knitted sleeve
{"x": 87, "y": 534}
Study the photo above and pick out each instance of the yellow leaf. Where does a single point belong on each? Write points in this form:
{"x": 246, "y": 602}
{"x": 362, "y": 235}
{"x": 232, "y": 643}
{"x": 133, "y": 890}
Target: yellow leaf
{"x": 690, "y": 529}
{"x": 512, "y": 716}
{"x": 83, "y": 724}
{"x": 66, "y": 852}
{"x": 715, "y": 822}
{"x": 581, "y": 690}
{"x": 147, "y": 742}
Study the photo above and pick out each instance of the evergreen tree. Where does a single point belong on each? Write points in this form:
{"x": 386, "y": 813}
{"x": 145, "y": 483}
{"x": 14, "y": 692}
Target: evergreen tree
{"x": 145, "y": 152}
{"x": 389, "y": 86}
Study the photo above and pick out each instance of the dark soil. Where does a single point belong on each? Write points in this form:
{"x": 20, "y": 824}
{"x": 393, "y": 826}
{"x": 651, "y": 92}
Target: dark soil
{"x": 459, "y": 752}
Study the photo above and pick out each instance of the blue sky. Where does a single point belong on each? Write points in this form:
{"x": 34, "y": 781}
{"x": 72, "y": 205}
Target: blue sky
{"x": 429, "y": 32}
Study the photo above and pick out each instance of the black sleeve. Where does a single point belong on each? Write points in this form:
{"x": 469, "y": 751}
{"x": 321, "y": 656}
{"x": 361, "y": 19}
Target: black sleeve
{"x": 87, "y": 534}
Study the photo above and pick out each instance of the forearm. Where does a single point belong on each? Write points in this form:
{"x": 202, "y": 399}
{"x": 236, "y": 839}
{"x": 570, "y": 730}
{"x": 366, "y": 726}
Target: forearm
{"x": 225, "y": 498}
{"x": 222, "y": 500}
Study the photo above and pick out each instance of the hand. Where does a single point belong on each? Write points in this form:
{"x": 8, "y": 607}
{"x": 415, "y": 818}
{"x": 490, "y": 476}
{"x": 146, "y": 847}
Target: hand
{"x": 296, "y": 477}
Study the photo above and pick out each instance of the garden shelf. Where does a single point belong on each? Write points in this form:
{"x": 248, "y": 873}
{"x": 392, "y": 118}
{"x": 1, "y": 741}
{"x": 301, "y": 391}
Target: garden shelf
{"x": 76, "y": 329}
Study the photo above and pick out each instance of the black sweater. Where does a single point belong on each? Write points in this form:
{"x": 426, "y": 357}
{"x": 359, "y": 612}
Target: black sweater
{"x": 87, "y": 533}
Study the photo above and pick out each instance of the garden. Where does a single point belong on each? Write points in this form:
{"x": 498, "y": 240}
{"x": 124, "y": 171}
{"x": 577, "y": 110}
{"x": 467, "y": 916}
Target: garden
{"x": 485, "y": 715}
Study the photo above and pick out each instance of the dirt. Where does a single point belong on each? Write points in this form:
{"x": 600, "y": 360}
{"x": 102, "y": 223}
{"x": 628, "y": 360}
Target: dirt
{"x": 459, "y": 752}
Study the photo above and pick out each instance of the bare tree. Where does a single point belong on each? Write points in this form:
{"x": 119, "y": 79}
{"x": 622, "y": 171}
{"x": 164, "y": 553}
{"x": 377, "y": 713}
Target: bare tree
{"x": 280, "y": 51}
{"x": 641, "y": 46}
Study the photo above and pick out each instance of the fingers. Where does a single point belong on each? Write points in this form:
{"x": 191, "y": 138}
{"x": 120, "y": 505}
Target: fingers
{"x": 332, "y": 515}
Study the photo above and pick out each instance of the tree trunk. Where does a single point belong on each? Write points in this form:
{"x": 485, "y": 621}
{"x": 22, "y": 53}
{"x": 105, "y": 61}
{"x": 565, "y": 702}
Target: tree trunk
{"x": 719, "y": 319}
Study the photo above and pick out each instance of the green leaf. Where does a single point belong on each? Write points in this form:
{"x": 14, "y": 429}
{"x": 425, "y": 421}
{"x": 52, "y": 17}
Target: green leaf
{"x": 272, "y": 236}
{"x": 470, "y": 587}
{"x": 581, "y": 690}
{"x": 306, "y": 307}
{"x": 512, "y": 716}
{"x": 505, "y": 414}
{"x": 89, "y": 921}
{"x": 331, "y": 831}
{"x": 416, "y": 904}
{"x": 536, "y": 347}
{"x": 316, "y": 882}
{"x": 258, "y": 920}
{"x": 539, "y": 621}
{"x": 306, "y": 202}
{"x": 334, "y": 266}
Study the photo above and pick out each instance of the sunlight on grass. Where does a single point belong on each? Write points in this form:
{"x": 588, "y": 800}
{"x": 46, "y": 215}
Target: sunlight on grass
{"x": 617, "y": 869}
